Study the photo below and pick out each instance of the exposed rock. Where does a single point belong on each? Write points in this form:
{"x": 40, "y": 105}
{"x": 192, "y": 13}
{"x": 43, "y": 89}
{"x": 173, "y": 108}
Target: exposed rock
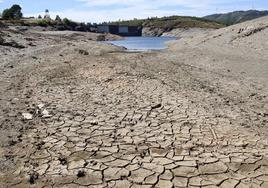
{"x": 101, "y": 38}
{"x": 27, "y": 116}
{"x": 33, "y": 177}
{"x": 63, "y": 160}
{"x": 81, "y": 173}
{"x": 83, "y": 52}
{"x": 149, "y": 31}
{"x": 46, "y": 114}
{"x": 156, "y": 106}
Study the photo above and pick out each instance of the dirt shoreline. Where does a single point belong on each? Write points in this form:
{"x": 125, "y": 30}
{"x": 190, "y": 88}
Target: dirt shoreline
{"x": 79, "y": 113}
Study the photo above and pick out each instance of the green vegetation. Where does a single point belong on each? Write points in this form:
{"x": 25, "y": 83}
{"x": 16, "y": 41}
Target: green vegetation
{"x": 236, "y": 17}
{"x": 171, "y": 22}
{"x": 44, "y": 23}
{"x": 13, "y": 13}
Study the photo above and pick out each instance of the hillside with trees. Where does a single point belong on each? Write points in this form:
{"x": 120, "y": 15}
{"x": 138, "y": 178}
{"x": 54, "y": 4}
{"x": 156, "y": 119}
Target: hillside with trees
{"x": 171, "y": 22}
{"x": 236, "y": 17}
{"x": 14, "y": 17}
{"x": 157, "y": 26}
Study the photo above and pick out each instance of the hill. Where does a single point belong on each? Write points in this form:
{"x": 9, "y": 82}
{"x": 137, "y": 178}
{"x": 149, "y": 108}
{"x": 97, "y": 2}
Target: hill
{"x": 157, "y": 26}
{"x": 236, "y": 17}
{"x": 171, "y": 22}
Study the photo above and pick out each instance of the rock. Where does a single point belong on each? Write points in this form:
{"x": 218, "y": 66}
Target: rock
{"x": 27, "y": 116}
{"x": 40, "y": 106}
{"x": 151, "y": 31}
{"x": 83, "y": 52}
{"x": 2, "y": 41}
{"x": 33, "y": 177}
{"x": 63, "y": 160}
{"x": 81, "y": 173}
{"x": 101, "y": 38}
{"x": 157, "y": 106}
{"x": 80, "y": 28}
{"x": 11, "y": 44}
{"x": 22, "y": 28}
{"x": 45, "y": 114}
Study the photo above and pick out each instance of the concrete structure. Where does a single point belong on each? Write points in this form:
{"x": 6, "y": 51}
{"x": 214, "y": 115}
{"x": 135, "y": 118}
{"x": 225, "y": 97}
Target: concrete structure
{"x": 123, "y": 29}
{"x": 103, "y": 28}
{"x": 120, "y": 30}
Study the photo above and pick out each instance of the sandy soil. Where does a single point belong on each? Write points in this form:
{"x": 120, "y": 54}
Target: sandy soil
{"x": 81, "y": 113}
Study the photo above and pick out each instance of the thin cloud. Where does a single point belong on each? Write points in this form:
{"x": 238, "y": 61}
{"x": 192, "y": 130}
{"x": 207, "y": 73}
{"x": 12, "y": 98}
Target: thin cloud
{"x": 111, "y": 10}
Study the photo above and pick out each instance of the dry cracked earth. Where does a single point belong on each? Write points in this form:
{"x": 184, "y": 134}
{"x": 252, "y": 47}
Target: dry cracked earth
{"x": 107, "y": 118}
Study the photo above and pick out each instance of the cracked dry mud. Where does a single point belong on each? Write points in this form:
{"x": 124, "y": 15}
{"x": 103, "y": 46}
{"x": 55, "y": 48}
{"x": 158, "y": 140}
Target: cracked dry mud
{"x": 116, "y": 119}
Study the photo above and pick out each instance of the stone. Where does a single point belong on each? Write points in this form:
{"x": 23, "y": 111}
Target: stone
{"x": 81, "y": 173}
{"x": 83, "y": 52}
{"x": 40, "y": 106}
{"x": 33, "y": 177}
{"x": 45, "y": 114}
{"x": 27, "y": 116}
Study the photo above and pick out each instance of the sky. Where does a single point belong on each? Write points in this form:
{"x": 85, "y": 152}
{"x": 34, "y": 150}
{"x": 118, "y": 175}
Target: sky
{"x": 96, "y": 11}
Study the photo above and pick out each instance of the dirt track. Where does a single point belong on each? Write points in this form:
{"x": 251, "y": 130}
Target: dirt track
{"x": 191, "y": 116}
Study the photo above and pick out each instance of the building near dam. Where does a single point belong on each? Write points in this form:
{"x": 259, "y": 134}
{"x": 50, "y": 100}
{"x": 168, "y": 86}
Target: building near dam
{"x": 120, "y": 30}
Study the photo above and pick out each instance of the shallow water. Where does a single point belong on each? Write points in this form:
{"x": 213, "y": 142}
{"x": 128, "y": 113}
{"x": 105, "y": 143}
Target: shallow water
{"x": 143, "y": 43}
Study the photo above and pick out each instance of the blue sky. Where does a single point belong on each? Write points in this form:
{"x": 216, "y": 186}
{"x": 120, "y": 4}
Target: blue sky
{"x": 107, "y": 10}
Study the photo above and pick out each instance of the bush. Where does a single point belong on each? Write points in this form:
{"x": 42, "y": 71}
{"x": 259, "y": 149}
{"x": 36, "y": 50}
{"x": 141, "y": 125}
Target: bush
{"x": 43, "y": 23}
{"x": 69, "y": 23}
{"x": 12, "y": 13}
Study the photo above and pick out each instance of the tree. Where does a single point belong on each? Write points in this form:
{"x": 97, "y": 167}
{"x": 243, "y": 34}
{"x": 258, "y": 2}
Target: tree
{"x": 12, "y": 13}
{"x": 39, "y": 17}
{"x": 66, "y": 21}
{"x": 58, "y": 18}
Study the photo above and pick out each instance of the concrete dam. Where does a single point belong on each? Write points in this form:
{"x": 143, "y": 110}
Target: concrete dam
{"x": 120, "y": 30}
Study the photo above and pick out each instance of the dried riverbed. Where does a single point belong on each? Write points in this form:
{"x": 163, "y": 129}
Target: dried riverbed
{"x": 78, "y": 113}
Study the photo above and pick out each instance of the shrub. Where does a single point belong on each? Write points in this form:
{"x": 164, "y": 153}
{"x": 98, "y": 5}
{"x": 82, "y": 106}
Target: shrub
{"x": 43, "y": 23}
{"x": 68, "y": 22}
